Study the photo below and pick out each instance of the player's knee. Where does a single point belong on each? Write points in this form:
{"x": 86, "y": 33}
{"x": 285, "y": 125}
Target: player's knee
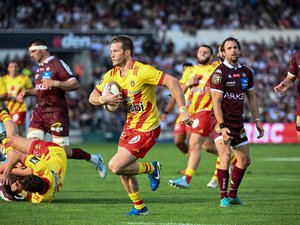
{"x": 114, "y": 168}
{"x": 245, "y": 163}
{"x": 178, "y": 142}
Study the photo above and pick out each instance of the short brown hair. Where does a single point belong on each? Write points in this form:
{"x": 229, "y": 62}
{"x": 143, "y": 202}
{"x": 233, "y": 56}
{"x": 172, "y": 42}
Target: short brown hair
{"x": 230, "y": 39}
{"x": 126, "y": 41}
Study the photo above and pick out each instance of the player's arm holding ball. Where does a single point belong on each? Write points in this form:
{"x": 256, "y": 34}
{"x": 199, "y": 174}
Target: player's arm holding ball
{"x": 105, "y": 97}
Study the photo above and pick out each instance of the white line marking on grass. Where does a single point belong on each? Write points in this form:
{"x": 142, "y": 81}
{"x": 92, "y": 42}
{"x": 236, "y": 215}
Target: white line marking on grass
{"x": 142, "y": 223}
{"x": 281, "y": 159}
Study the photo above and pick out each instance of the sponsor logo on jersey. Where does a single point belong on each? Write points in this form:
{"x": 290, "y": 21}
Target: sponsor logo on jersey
{"x": 40, "y": 87}
{"x": 37, "y": 147}
{"x": 195, "y": 123}
{"x": 56, "y": 181}
{"x": 134, "y": 93}
{"x": 136, "y": 70}
{"x": 216, "y": 79}
{"x": 230, "y": 83}
{"x": 56, "y": 127}
{"x": 235, "y": 96}
{"x": 136, "y": 107}
{"x": 236, "y": 75}
{"x": 198, "y": 89}
{"x": 242, "y": 133}
{"x": 244, "y": 82}
{"x": 132, "y": 83}
{"x": 137, "y": 150}
{"x": 34, "y": 160}
{"x": 46, "y": 75}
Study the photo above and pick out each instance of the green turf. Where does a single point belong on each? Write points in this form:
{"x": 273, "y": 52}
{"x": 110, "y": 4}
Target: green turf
{"x": 271, "y": 191}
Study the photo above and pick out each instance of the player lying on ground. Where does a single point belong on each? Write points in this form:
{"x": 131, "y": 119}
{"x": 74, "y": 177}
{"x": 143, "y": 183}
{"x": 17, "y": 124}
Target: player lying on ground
{"x": 47, "y": 161}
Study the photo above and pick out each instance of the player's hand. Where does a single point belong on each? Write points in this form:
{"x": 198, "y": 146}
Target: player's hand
{"x": 281, "y": 88}
{"x": 185, "y": 118}
{"x": 112, "y": 99}
{"x": 193, "y": 80}
{"x": 48, "y": 82}
{"x": 260, "y": 129}
{"x": 4, "y": 179}
{"x": 225, "y": 134}
{"x": 20, "y": 97}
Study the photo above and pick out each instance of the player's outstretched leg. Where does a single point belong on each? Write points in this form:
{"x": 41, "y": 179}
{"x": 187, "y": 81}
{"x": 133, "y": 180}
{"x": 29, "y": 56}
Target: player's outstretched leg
{"x": 180, "y": 183}
{"x": 100, "y": 166}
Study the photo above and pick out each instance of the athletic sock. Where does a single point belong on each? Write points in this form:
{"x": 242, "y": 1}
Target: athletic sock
{"x": 236, "y": 179}
{"x": 223, "y": 177}
{"x": 137, "y": 200}
{"x": 78, "y": 153}
{"x": 189, "y": 173}
{"x": 146, "y": 168}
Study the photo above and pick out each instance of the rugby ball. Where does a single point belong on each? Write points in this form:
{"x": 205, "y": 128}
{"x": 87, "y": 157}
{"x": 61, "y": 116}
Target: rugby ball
{"x": 112, "y": 88}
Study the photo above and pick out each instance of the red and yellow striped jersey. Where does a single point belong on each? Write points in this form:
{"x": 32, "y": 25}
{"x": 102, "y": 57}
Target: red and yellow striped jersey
{"x": 199, "y": 93}
{"x": 48, "y": 161}
{"x": 15, "y": 85}
{"x": 138, "y": 90}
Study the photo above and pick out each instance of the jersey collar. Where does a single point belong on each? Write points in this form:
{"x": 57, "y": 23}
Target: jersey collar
{"x": 47, "y": 60}
{"x": 231, "y": 66}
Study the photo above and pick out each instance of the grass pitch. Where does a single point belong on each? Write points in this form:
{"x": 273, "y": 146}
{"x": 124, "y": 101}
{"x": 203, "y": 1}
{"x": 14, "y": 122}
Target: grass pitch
{"x": 270, "y": 189}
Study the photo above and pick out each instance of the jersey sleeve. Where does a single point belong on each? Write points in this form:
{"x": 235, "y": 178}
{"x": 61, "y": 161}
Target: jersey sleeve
{"x": 107, "y": 77}
{"x": 150, "y": 75}
{"x": 186, "y": 75}
{"x": 293, "y": 69}
{"x": 64, "y": 71}
{"x": 251, "y": 80}
{"x": 28, "y": 83}
{"x": 216, "y": 80}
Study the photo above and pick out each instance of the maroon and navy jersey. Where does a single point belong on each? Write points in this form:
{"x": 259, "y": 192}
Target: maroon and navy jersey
{"x": 294, "y": 68}
{"x": 233, "y": 83}
{"x": 52, "y": 99}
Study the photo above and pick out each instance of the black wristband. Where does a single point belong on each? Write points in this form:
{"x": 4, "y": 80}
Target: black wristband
{"x": 222, "y": 125}
{"x": 165, "y": 112}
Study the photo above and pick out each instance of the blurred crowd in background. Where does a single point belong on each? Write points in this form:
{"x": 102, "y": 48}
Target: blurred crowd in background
{"x": 268, "y": 61}
{"x": 183, "y": 15}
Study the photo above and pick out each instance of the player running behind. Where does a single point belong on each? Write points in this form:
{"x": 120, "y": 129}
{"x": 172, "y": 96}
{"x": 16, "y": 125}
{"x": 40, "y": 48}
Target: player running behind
{"x": 52, "y": 79}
